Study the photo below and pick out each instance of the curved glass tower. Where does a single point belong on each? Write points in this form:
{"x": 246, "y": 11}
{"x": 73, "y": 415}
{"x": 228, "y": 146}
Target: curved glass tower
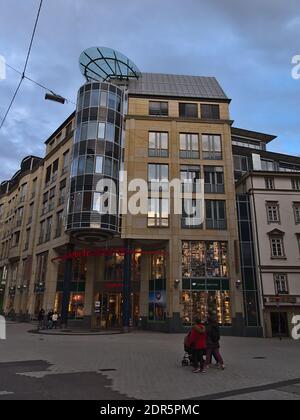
{"x": 93, "y": 210}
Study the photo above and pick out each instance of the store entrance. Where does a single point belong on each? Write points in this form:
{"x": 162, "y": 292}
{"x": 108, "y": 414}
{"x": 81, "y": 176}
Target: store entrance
{"x": 108, "y": 310}
{"x": 279, "y": 322}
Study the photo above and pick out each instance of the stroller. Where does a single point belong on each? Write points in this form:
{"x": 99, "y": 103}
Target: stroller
{"x": 187, "y": 358}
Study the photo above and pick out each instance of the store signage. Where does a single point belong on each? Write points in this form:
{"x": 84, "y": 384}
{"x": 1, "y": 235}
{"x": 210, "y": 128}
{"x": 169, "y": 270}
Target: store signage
{"x": 100, "y": 252}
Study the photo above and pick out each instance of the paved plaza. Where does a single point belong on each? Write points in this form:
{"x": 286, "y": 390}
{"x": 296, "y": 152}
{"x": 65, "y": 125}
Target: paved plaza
{"x": 142, "y": 365}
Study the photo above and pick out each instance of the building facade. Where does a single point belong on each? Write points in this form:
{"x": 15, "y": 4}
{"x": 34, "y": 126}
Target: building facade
{"x": 155, "y": 269}
{"x": 268, "y": 194}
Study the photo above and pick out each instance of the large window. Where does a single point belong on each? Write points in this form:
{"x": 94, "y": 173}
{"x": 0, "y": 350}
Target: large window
{"x": 158, "y": 177}
{"x": 211, "y": 146}
{"x": 191, "y": 214}
{"x": 158, "y": 212}
{"x": 205, "y": 286}
{"x": 215, "y": 214}
{"x": 214, "y": 179}
{"x": 187, "y": 110}
{"x": 158, "y": 108}
{"x": 210, "y": 112}
{"x": 295, "y": 184}
{"x": 267, "y": 165}
{"x": 189, "y": 146}
{"x": 189, "y": 176}
{"x": 157, "y": 289}
{"x": 270, "y": 183}
{"x": 41, "y": 271}
{"x": 158, "y": 144}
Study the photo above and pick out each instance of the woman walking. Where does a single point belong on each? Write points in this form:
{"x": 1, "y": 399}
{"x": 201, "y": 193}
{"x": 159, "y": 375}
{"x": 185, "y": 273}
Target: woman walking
{"x": 213, "y": 342}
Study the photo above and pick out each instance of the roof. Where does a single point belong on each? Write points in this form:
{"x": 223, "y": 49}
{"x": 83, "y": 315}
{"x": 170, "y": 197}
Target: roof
{"x": 255, "y": 135}
{"x": 157, "y": 84}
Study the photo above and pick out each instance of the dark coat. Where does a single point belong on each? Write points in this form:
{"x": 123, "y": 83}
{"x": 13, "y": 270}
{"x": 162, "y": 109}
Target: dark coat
{"x": 212, "y": 336}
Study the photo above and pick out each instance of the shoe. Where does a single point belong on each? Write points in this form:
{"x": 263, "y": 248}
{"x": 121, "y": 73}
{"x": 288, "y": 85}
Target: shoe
{"x": 223, "y": 367}
{"x": 196, "y": 370}
{"x": 202, "y": 371}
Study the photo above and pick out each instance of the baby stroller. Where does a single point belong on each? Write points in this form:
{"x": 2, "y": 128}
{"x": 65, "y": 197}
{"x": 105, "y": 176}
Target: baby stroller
{"x": 187, "y": 358}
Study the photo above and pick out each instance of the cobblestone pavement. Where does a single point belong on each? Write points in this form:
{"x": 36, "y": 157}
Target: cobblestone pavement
{"x": 142, "y": 365}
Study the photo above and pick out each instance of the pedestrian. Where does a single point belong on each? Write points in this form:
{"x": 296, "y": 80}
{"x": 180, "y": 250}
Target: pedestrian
{"x": 49, "y": 319}
{"x": 213, "y": 342}
{"x": 198, "y": 344}
{"x": 55, "y": 320}
{"x": 41, "y": 316}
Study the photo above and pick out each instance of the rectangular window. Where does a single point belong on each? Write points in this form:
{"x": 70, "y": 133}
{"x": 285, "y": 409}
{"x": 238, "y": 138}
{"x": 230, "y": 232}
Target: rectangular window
{"x": 296, "y": 207}
{"x": 187, "y": 110}
{"x": 158, "y": 177}
{"x": 210, "y": 112}
{"x": 101, "y": 131}
{"x": 267, "y": 165}
{"x": 214, "y": 179}
{"x": 240, "y": 166}
{"x": 48, "y": 229}
{"x": 158, "y": 212}
{"x": 189, "y": 176}
{"x": 211, "y": 146}
{"x": 215, "y": 214}
{"x": 269, "y": 182}
{"x": 191, "y": 214}
{"x": 158, "y": 108}
{"x": 273, "y": 212}
{"x": 189, "y": 146}
{"x": 277, "y": 250}
{"x": 59, "y": 224}
{"x": 66, "y": 157}
{"x": 295, "y": 184}
{"x": 281, "y": 284}
{"x": 99, "y": 165}
{"x": 158, "y": 144}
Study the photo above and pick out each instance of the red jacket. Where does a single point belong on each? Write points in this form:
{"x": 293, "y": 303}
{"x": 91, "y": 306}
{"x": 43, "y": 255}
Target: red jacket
{"x": 198, "y": 340}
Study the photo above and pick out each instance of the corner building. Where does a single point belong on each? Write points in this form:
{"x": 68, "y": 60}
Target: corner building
{"x": 157, "y": 271}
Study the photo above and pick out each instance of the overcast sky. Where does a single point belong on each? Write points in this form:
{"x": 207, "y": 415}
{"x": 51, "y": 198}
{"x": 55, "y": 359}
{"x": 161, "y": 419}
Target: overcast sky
{"x": 247, "y": 46}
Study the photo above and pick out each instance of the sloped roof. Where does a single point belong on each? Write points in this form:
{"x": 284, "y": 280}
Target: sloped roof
{"x": 157, "y": 84}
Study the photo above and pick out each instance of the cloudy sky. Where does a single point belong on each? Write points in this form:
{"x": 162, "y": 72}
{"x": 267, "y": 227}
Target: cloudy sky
{"x": 248, "y": 46}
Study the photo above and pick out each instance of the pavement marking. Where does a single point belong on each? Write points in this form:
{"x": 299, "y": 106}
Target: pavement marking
{"x": 3, "y": 393}
{"x": 251, "y": 390}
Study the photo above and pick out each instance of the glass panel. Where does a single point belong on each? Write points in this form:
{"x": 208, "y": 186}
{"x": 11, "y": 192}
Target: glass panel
{"x": 89, "y": 169}
{"x": 101, "y": 131}
{"x": 110, "y": 132}
{"x": 99, "y": 165}
{"x": 92, "y": 130}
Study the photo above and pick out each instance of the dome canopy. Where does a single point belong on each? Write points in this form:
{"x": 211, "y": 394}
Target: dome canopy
{"x": 102, "y": 64}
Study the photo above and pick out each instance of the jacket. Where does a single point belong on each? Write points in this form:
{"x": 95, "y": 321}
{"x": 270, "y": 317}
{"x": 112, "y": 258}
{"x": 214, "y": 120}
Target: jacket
{"x": 198, "y": 337}
{"x": 213, "y": 335}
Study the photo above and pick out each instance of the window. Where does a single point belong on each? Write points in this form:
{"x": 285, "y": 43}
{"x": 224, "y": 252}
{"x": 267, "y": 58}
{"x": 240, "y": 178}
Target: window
{"x": 159, "y": 108}
{"x": 296, "y": 207}
{"x": 101, "y": 131}
{"x": 48, "y": 229}
{"x": 214, "y": 179}
{"x": 158, "y": 212}
{"x": 41, "y": 268}
{"x": 42, "y": 231}
{"x": 269, "y": 182}
{"x": 158, "y": 144}
{"x": 33, "y": 191}
{"x": 189, "y": 176}
{"x": 281, "y": 284}
{"x": 27, "y": 237}
{"x": 189, "y": 146}
{"x": 240, "y": 166}
{"x": 277, "y": 250}
{"x": 99, "y": 165}
{"x": 68, "y": 129}
{"x": 66, "y": 157}
{"x": 267, "y": 165}
{"x": 187, "y": 110}
{"x": 295, "y": 184}
{"x": 211, "y": 146}
{"x": 215, "y": 214}
{"x": 191, "y": 214}
{"x": 62, "y": 192}
{"x": 272, "y": 212}
{"x": 158, "y": 177}
{"x": 210, "y": 112}
{"x": 92, "y": 130}
{"x": 48, "y": 175}
{"x": 59, "y": 223}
